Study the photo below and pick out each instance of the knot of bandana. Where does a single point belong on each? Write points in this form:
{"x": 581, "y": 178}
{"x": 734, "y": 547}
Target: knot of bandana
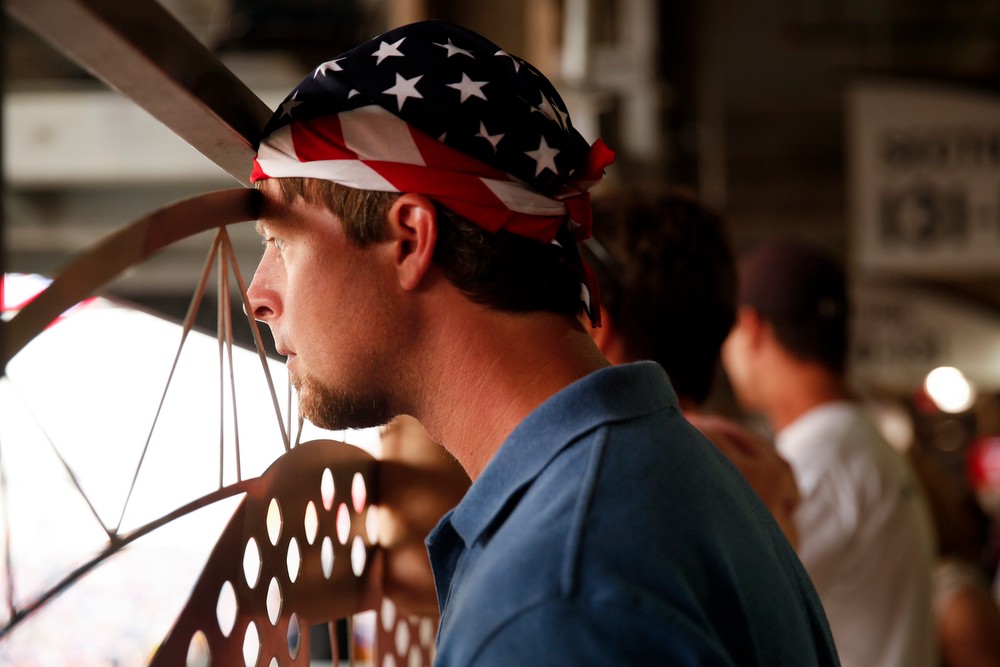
{"x": 438, "y": 110}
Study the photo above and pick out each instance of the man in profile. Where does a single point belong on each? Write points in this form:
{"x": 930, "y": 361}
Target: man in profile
{"x": 423, "y": 198}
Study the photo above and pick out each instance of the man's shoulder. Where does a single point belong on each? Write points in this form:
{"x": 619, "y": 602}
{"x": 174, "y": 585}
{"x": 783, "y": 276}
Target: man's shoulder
{"x": 836, "y": 438}
{"x": 857, "y": 446}
{"x": 642, "y": 514}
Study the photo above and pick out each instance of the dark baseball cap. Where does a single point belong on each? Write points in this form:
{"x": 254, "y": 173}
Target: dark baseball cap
{"x": 790, "y": 280}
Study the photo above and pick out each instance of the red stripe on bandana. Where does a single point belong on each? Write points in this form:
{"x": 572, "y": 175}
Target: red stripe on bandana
{"x": 482, "y": 194}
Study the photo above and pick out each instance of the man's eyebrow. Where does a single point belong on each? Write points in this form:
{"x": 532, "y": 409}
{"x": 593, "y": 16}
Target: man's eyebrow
{"x": 267, "y": 227}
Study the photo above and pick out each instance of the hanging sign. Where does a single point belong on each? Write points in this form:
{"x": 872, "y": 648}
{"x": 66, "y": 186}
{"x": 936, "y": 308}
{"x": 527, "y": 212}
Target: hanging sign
{"x": 924, "y": 179}
{"x": 900, "y": 333}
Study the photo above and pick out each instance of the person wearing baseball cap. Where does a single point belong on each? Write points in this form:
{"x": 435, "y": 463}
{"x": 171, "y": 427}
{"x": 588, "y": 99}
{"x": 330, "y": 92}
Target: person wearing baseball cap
{"x": 423, "y": 197}
{"x": 864, "y": 528}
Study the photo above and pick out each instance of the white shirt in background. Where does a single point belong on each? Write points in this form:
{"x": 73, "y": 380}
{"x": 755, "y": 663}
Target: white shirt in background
{"x": 865, "y": 537}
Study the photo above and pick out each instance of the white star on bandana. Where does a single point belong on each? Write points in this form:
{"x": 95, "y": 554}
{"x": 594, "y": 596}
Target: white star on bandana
{"x": 545, "y": 108}
{"x": 517, "y": 65}
{"x": 469, "y": 88}
{"x": 289, "y": 104}
{"x": 494, "y": 139}
{"x": 454, "y": 50}
{"x": 404, "y": 89}
{"x": 329, "y": 66}
{"x": 386, "y": 50}
{"x": 544, "y": 157}
{"x": 563, "y": 116}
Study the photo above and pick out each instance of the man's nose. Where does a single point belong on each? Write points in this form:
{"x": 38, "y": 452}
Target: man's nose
{"x": 264, "y": 301}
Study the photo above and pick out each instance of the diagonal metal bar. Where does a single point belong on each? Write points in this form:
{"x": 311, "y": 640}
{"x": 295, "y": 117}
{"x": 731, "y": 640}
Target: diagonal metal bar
{"x": 260, "y": 345}
{"x": 141, "y": 50}
{"x": 226, "y": 309}
{"x": 116, "y": 545}
{"x": 74, "y": 480}
{"x": 220, "y": 336}
{"x": 186, "y": 327}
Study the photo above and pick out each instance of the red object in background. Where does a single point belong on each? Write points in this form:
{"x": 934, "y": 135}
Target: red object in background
{"x": 923, "y": 401}
{"x": 983, "y": 463}
{"x": 17, "y": 290}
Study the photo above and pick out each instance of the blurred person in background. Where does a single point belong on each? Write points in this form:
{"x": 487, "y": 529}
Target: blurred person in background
{"x": 668, "y": 293}
{"x": 864, "y": 529}
{"x": 967, "y": 616}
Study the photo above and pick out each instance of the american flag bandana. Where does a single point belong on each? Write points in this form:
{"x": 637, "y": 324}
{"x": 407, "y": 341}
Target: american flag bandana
{"x": 436, "y": 109}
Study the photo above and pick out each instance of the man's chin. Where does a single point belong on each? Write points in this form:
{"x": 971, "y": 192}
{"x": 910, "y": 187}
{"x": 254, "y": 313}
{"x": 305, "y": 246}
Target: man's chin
{"x": 341, "y": 420}
{"x": 335, "y": 410}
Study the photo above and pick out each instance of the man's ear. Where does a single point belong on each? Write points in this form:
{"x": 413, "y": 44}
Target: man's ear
{"x": 754, "y": 326}
{"x": 412, "y": 222}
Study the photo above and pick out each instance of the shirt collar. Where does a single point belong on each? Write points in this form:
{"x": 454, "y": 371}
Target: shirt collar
{"x": 611, "y": 394}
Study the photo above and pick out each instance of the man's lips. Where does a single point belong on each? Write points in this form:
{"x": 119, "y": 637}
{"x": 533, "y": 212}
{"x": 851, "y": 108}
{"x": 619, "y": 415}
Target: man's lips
{"x": 285, "y": 352}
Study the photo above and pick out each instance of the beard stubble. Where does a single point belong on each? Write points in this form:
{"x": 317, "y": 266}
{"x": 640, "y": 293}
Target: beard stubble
{"x": 337, "y": 410}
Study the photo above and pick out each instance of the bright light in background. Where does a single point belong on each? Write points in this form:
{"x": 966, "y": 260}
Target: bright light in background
{"x": 950, "y": 390}
{"x": 91, "y": 383}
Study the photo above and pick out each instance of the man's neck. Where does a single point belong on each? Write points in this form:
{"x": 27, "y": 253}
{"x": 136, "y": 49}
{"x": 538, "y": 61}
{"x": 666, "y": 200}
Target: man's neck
{"x": 484, "y": 378}
{"x": 806, "y": 389}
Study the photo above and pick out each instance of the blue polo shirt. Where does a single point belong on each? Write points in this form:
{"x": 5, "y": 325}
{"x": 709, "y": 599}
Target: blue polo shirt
{"x": 607, "y": 530}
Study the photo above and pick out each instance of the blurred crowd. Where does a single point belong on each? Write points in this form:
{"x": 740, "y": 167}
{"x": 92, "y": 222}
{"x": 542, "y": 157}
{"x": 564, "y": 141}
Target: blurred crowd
{"x": 901, "y": 551}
